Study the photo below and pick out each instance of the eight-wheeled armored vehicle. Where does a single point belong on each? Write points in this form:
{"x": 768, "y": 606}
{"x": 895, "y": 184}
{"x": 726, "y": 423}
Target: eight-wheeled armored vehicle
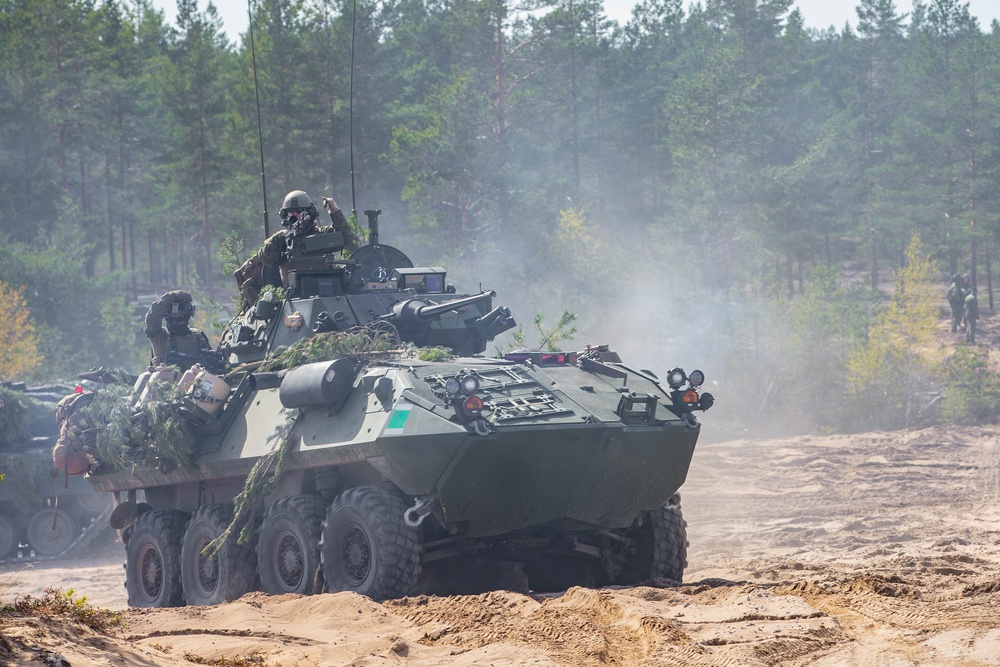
{"x": 402, "y": 475}
{"x": 43, "y": 512}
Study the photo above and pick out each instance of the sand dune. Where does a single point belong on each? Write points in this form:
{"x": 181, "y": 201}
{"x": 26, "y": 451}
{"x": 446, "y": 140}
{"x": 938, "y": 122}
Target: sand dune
{"x": 878, "y": 548}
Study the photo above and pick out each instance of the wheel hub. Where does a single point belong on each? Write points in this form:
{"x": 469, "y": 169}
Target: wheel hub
{"x": 289, "y": 561}
{"x": 355, "y": 554}
{"x": 151, "y": 572}
{"x": 208, "y": 570}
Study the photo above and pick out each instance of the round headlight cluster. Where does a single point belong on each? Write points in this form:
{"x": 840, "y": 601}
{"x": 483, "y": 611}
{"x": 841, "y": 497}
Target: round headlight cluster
{"x": 468, "y": 385}
{"x": 676, "y": 378}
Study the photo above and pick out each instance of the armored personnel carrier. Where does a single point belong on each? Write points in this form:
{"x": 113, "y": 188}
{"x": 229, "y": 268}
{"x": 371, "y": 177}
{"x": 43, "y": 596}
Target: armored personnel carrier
{"x": 401, "y": 475}
{"x": 42, "y": 511}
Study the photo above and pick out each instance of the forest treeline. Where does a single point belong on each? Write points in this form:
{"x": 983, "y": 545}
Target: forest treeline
{"x": 713, "y": 183}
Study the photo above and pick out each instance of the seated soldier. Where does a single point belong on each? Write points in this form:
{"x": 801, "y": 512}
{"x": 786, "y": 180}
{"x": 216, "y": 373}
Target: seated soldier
{"x": 176, "y": 307}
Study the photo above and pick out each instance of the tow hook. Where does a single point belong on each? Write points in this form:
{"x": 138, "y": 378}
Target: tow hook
{"x": 415, "y": 516}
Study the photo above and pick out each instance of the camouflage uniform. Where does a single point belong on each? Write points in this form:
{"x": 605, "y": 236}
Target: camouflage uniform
{"x": 971, "y": 316}
{"x": 254, "y": 274}
{"x": 956, "y": 299}
{"x": 180, "y": 337}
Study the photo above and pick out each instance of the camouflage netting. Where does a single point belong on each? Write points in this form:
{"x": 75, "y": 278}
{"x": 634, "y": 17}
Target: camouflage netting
{"x": 376, "y": 340}
{"x": 155, "y": 434}
{"x": 18, "y": 415}
{"x": 23, "y": 472}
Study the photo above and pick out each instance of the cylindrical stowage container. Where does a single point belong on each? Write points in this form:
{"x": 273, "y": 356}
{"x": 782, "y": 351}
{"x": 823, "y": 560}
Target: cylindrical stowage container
{"x": 324, "y": 383}
{"x": 209, "y": 392}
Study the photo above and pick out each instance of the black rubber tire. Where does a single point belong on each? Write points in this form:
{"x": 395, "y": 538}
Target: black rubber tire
{"x": 49, "y": 541}
{"x": 661, "y": 546}
{"x": 288, "y": 548}
{"x": 366, "y": 546}
{"x": 153, "y": 559}
{"x": 10, "y": 536}
{"x": 224, "y": 577}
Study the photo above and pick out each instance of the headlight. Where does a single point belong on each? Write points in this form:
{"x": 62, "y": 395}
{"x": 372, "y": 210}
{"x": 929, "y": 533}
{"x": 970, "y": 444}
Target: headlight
{"x": 452, "y": 386}
{"x": 697, "y": 378}
{"x": 470, "y": 384}
{"x": 676, "y": 378}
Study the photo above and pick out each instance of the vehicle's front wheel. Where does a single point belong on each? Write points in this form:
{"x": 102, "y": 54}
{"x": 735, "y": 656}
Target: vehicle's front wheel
{"x": 153, "y": 560}
{"x": 288, "y": 549}
{"x": 214, "y": 579}
{"x": 367, "y": 547}
{"x": 660, "y": 546}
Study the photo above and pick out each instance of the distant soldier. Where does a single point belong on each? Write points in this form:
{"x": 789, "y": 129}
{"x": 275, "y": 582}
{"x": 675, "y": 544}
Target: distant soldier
{"x": 956, "y": 299}
{"x": 971, "y": 315}
{"x": 299, "y": 216}
{"x": 176, "y": 307}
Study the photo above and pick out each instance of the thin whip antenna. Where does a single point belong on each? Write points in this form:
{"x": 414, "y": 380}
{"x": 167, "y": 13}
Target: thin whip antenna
{"x": 260, "y": 131}
{"x": 350, "y": 106}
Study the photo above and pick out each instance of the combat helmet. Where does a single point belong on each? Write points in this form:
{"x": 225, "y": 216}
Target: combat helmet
{"x": 296, "y": 201}
{"x": 180, "y": 313}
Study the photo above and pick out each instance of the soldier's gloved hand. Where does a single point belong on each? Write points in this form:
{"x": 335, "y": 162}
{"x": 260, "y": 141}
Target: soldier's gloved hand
{"x": 329, "y": 204}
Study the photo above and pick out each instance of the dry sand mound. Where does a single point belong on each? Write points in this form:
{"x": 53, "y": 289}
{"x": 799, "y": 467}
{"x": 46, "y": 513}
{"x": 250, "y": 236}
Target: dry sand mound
{"x": 879, "y": 548}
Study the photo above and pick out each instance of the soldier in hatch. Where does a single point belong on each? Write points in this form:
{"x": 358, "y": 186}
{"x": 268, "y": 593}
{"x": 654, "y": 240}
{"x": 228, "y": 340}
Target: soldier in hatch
{"x": 299, "y": 217}
{"x": 176, "y": 307}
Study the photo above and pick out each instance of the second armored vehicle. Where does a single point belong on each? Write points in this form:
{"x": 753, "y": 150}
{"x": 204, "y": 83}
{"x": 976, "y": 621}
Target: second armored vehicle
{"x": 42, "y": 511}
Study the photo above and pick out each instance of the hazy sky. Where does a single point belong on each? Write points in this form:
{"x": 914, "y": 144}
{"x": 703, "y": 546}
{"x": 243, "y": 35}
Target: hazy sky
{"x": 817, "y": 13}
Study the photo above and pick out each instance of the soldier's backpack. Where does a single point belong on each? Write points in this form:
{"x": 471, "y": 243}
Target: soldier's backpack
{"x": 75, "y": 451}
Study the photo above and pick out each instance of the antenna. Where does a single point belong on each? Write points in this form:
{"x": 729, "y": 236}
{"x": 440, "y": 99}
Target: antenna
{"x": 260, "y": 132}
{"x": 350, "y": 106}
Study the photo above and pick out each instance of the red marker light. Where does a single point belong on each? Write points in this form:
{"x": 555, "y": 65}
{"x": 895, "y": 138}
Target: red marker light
{"x": 78, "y": 389}
{"x": 473, "y": 405}
{"x": 690, "y": 397}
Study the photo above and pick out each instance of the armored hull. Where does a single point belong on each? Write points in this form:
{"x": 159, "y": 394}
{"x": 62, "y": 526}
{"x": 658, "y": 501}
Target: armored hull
{"x": 399, "y": 475}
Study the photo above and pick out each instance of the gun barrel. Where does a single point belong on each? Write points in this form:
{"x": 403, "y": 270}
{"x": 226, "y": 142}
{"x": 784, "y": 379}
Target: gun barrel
{"x": 427, "y": 312}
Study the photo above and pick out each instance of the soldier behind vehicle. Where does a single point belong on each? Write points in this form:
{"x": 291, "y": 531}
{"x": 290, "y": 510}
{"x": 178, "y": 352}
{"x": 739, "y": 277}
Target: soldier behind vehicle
{"x": 956, "y": 299}
{"x": 177, "y": 307}
{"x": 971, "y": 315}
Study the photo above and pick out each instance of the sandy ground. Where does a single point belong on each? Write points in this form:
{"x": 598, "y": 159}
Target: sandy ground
{"x": 873, "y": 549}
{"x": 878, "y": 549}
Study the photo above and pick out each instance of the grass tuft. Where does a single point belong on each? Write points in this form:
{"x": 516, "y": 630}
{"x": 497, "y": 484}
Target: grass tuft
{"x": 64, "y": 605}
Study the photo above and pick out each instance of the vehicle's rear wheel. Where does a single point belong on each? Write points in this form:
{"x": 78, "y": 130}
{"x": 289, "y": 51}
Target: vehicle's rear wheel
{"x": 366, "y": 546}
{"x": 9, "y": 536}
{"x": 153, "y": 560}
{"x": 288, "y": 549}
{"x": 220, "y": 578}
{"x": 51, "y": 530}
{"x": 660, "y": 546}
